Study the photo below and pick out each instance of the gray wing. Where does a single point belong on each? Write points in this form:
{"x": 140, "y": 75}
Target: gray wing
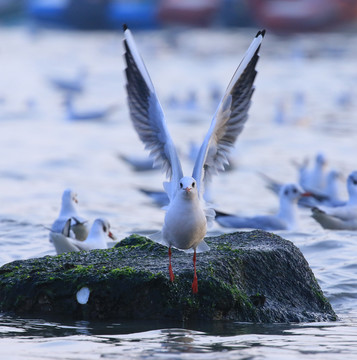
{"x": 230, "y": 117}
{"x": 256, "y": 222}
{"x": 147, "y": 115}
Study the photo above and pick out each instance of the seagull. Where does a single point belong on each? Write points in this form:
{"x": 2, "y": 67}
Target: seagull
{"x": 69, "y": 211}
{"x": 329, "y": 196}
{"x": 159, "y": 197}
{"x": 313, "y": 179}
{"x": 331, "y": 189}
{"x": 72, "y": 85}
{"x": 340, "y": 217}
{"x": 97, "y": 238}
{"x": 139, "y": 163}
{"x": 285, "y": 219}
{"x": 86, "y": 115}
{"x": 185, "y": 223}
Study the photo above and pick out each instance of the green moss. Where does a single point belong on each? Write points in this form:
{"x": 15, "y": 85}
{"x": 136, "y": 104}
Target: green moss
{"x": 9, "y": 274}
{"x": 83, "y": 269}
{"x": 124, "y": 271}
{"x": 224, "y": 247}
{"x": 319, "y": 294}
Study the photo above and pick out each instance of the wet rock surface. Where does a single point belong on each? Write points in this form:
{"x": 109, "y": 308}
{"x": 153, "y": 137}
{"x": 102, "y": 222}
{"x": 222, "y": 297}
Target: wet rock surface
{"x": 246, "y": 276}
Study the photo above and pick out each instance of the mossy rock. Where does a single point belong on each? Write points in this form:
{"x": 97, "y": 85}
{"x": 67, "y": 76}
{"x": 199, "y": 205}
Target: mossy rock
{"x": 246, "y": 276}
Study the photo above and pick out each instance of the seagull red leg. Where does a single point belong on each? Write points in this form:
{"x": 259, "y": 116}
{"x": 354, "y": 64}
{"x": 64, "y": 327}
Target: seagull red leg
{"x": 172, "y": 277}
{"x": 194, "y": 283}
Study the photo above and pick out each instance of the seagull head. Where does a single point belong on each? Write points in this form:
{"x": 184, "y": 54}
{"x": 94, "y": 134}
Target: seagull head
{"x": 320, "y": 160}
{"x": 104, "y": 226}
{"x": 188, "y": 186}
{"x": 292, "y": 192}
{"x": 69, "y": 198}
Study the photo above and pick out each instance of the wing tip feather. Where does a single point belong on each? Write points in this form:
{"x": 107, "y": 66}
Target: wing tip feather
{"x": 261, "y": 32}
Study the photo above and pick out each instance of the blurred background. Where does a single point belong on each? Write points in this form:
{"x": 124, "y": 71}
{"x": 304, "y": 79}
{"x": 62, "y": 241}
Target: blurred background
{"x": 64, "y": 122}
{"x": 278, "y": 15}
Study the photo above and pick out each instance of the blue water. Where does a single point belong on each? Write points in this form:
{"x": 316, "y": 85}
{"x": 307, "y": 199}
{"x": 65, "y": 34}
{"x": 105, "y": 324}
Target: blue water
{"x": 313, "y": 77}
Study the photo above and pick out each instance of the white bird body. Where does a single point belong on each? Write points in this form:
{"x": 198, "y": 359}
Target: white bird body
{"x": 186, "y": 219}
{"x": 340, "y": 217}
{"x": 313, "y": 179}
{"x": 69, "y": 211}
{"x": 182, "y": 231}
{"x": 97, "y": 238}
{"x": 285, "y": 219}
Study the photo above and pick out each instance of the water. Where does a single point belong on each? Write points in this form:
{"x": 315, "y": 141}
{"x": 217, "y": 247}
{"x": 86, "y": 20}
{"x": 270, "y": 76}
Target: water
{"x": 313, "y": 76}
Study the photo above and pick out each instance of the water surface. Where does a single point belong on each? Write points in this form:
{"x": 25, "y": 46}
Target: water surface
{"x": 313, "y": 76}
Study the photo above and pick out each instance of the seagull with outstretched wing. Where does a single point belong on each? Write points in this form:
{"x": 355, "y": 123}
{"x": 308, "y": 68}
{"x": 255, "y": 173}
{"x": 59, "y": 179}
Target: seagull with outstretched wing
{"x": 185, "y": 224}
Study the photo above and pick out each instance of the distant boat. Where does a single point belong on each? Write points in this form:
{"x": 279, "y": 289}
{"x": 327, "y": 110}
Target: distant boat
{"x": 139, "y": 14}
{"x": 89, "y": 14}
{"x": 302, "y": 15}
{"x": 188, "y": 12}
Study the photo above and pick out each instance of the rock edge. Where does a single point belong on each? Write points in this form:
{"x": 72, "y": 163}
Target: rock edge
{"x": 246, "y": 276}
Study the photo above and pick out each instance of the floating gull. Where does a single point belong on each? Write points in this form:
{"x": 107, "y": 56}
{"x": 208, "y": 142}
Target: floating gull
{"x": 285, "y": 219}
{"x": 69, "y": 211}
{"x": 328, "y": 196}
{"x": 97, "y": 238}
{"x": 87, "y": 114}
{"x": 159, "y": 197}
{"x": 139, "y": 163}
{"x": 340, "y": 217}
{"x": 313, "y": 179}
{"x": 73, "y": 85}
{"x": 185, "y": 223}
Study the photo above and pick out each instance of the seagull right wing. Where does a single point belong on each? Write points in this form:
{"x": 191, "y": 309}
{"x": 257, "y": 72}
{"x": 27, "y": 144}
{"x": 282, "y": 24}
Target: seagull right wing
{"x": 147, "y": 115}
{"x": 230, "y": 117}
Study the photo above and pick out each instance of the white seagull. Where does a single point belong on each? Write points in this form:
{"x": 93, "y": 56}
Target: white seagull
{"x": 97, "y": 238}
{"x": 313, "y": 179}
{"x": 340, "y": 217}
{"x": 185, "y": 223}
{"x": 69, "y": 211}
{"x": 329, "y": 196}
{"x": 285, "y": 219}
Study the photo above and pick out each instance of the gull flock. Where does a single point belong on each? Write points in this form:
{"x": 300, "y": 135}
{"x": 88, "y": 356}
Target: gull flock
{"x": 188, "y": 213}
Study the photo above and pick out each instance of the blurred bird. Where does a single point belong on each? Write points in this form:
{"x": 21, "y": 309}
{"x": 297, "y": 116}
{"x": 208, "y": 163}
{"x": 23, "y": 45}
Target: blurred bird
{"x": 340, "y": 217}
{"x": 74, "y": 85}
{"x": 69, "y": 211}
{"x": 285, "y": 219}
{"x": 329, "y": 196}
{"x": 313, "y": 179}
{"x": 97, "y": 238}
{"x": 88, "y": 114}
{"x": 139, "y": 163}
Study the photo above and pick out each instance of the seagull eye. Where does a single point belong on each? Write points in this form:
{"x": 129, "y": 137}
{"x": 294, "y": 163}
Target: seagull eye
{"x": 294, "y": 191}
{"x": 181, "y": 185}
{"x": 354, "y": 182}
{"x": 193, "y": 184}
{"x": 104, "y": 228}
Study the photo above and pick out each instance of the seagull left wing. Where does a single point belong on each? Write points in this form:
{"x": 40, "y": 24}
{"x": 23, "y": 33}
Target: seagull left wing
{"x": 147, "y": 115}
{"x": 230, "y": 117}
